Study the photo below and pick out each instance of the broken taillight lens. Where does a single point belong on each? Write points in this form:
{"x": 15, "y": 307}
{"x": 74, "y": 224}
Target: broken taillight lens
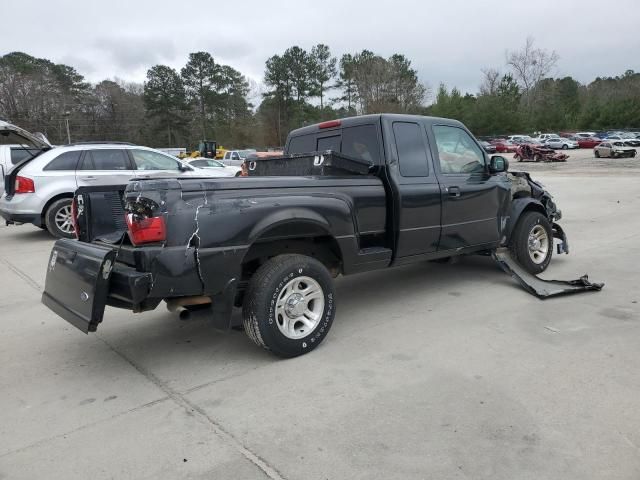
{"x": 145, "y": 229}
{"x": 24, "y": 185}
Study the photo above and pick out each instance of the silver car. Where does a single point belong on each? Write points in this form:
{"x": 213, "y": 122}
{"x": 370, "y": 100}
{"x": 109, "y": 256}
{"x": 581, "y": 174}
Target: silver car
{"x": 41, "y": 189}
{"x": 234, "y": 158}
{"x": 561, "y": 143}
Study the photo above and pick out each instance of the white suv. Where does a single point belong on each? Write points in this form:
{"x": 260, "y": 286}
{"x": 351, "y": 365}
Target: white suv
{"x": 40, "y": 190}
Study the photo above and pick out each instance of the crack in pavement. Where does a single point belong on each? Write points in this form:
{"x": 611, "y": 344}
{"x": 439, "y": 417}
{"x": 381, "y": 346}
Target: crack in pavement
{"x": 24, "y": 276}
{"x": 191, "y": 408}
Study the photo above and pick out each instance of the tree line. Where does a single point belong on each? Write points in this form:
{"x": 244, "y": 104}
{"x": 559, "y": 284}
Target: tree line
{"x": 206, "y": 99}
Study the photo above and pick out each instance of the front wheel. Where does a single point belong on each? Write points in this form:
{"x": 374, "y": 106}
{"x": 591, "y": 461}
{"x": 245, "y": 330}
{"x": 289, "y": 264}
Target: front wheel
{"x": 532, "y": 242}
{"x": 289, "y": 305}
{"x": 58, "y": 219}
{"x": 565, "y": 146}
{"x": 596, "y": 153}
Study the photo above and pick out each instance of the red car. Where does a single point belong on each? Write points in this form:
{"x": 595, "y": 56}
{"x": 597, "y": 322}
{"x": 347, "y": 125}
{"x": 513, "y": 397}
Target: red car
{"x": 503, "y": 146}
{"x": 587, "y": 142}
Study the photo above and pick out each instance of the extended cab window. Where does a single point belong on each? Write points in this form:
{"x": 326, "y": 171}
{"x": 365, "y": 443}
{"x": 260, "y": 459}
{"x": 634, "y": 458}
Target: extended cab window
{"x": 457, "y": 151}
{"x": 64, "y": 161}
{"x": 148, "y": 160}
{"x": 412, "y": 155}
{"x": 105, "y": 159}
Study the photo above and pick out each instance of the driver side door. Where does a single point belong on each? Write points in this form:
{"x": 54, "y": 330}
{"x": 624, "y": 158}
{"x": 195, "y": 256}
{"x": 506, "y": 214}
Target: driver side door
{"x": 471, "y": 198}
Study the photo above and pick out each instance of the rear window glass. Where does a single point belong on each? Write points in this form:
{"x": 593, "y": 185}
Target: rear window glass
{"x": 19, "y": 154}
{"x": 329, "y": 143}
{"x": 359, "y": 142}
{"x": 411, "y": 150}
{"x": 302, "y": 144}
{"x": 106, "y": 159}
{"x": 65, "y": 161}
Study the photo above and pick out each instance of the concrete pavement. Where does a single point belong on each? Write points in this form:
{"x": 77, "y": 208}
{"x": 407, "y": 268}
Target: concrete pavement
{"x": 430, "y": 371}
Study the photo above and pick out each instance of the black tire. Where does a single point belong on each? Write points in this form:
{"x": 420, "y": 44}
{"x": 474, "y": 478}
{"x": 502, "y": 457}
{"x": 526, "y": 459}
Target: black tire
{"x": 517, "y": 157}
{"x": 50, "y": 218}
{"x": 565, "y": 146}
{"x": 537, "y": 157}
{"x": 520, "y": 241}
{"x": 260, "y": 316}
{"x": 596, "y": 153}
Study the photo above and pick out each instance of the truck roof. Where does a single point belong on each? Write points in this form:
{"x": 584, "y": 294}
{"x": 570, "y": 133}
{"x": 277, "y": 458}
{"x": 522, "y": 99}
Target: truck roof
{"x": 373, "y": 118}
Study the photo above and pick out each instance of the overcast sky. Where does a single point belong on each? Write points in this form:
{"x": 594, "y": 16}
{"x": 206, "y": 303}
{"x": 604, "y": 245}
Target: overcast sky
{"x": 447, "y": 41}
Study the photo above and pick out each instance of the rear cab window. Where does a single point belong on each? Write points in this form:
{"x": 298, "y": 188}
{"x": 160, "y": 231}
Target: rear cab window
{"x": 358, "y": 141}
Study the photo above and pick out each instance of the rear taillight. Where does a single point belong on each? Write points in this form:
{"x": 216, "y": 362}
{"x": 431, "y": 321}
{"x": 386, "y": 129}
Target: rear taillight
{"x": 145, "y": 229}
{"x": 329, "y": 124}
{"x": 24, "y": 185}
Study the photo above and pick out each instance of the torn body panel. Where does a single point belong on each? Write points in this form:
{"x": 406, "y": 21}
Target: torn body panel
{"x": 537, "y": 286}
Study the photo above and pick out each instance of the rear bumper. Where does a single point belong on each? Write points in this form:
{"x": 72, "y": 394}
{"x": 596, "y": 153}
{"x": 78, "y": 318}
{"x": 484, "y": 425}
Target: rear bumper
{"x": 84, "y": 278}
{"x": 10, "y": 217}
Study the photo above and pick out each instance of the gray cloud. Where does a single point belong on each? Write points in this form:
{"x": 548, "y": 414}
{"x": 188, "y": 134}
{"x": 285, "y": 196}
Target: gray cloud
{"x": 447, "y": 41}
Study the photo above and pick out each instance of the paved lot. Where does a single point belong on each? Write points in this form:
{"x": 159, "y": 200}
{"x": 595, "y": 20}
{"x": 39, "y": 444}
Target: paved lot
{"x": 430, "y": 371}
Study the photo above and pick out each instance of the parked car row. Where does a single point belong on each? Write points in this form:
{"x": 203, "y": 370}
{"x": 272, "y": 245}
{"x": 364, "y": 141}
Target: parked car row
{"x": 39, "y": 180}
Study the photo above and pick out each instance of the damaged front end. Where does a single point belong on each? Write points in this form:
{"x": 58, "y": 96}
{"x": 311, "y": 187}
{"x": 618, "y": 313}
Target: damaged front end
{"x": 526, "y": 193}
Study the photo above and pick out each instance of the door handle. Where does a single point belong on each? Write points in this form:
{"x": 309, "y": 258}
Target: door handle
{"x": 453, "y": 191}
{"x": 88, "y": 178}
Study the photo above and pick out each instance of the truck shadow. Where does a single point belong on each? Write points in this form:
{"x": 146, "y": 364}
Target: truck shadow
{"x": 193, "y": 350}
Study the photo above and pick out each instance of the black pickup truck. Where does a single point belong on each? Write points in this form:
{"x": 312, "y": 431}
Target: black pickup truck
{"x": 423, "y": 189}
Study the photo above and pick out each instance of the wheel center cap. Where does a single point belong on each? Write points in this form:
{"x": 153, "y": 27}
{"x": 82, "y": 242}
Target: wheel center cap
{"x": 295, "y": 305}
{"x": 534, "y": 244}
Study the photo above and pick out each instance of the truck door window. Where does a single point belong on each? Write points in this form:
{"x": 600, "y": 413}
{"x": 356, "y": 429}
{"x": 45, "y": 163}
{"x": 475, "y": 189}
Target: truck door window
{"x": 361, "y": 142}
{"x": 457, "y": 151}
{"x": 411, "y": 150}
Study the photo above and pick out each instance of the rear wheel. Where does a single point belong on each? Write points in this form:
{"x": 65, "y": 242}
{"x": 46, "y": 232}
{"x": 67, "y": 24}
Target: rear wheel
{"x": 58, "y": 219}
{"x": 537, "y": 157}
{"x": 289, "y": 306}
{"x": 565, "y": 146}
{"x": 532, "y": 242}
{"x": 517, "y": 157}
{"x": 596, "y": 153}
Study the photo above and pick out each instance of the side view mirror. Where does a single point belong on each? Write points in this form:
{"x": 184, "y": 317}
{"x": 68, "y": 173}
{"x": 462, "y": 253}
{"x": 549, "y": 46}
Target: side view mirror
{"x": 498, "y": 164}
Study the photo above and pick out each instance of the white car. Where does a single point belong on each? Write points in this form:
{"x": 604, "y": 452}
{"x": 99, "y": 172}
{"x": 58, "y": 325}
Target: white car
{"x": 215, "y": 167}
{"x": 562, "y": 143}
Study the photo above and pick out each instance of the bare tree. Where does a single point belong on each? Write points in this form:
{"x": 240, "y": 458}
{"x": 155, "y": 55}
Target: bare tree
{"x": 490, "y": 81}
{"x": 530, "y": 65}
